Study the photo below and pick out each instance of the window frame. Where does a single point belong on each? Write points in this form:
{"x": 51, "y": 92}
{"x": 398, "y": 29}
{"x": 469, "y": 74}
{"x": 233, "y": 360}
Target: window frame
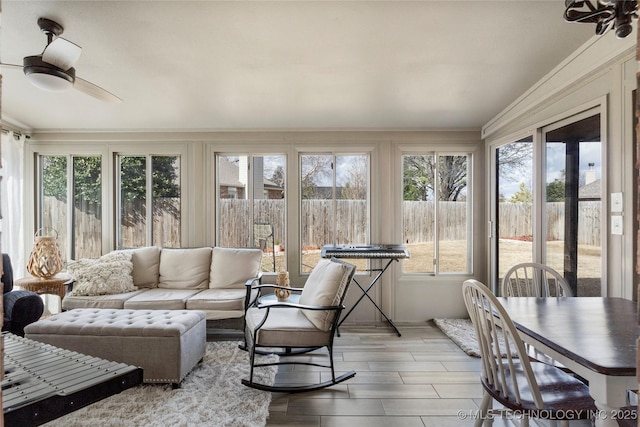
{"x": 469, "y": 189}
{"x": 36, "y": 203}
{"x": 149, "y": 199}
{"x": 249, "y": 195}
{"x": 539, "y": 185}
{"x": 334, "y": 154}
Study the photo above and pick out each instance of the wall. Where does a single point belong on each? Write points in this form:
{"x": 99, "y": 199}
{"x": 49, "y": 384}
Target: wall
{"x": 600, "y": 73}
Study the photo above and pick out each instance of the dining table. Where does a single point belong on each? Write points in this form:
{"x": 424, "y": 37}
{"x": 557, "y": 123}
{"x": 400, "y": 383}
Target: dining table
{"x": 595, "y": 337}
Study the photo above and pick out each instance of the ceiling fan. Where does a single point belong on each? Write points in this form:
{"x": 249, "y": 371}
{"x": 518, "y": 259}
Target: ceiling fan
{"x": 53, "y": 70}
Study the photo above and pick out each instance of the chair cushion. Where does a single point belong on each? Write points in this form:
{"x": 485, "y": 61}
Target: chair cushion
{"x": 232, "y": 267}
{"x": 109, "y": 274}
{"x": 284, "y": 327}
{"x": 184, "y": 268}
{"x": 324, "y": 287}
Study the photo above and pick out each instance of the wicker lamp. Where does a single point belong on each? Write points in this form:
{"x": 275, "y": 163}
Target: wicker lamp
{"x": 45, "y": 260}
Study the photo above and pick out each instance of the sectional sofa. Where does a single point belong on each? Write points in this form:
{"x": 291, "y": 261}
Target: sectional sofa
{"x": 208, "y": 279}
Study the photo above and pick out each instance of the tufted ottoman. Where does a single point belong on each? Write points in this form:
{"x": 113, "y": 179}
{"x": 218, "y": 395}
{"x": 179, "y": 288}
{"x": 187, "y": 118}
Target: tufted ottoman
{"x": 166, "y": 344}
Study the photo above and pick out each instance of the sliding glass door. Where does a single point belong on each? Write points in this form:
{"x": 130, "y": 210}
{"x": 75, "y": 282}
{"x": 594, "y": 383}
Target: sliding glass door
{"x": 547, "y": 202}
{"x": 573, "y": 203}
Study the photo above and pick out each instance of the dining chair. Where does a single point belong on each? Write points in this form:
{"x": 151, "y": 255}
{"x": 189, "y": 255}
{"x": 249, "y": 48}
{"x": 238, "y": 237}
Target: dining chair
{"x": 526, "y": 389}
{"x": 531, "y": 279}
{"x": 299, "y": 325}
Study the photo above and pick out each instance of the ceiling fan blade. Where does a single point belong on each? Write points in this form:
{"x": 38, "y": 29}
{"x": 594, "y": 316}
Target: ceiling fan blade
{"x": 62, "y": 53}
{"x": 10, "y": 66}
{"x": 95, "y": 91}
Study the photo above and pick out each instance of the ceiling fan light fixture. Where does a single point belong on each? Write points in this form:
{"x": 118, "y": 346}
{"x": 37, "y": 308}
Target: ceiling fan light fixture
{"x": 46, "y": 76}
{"x": 606, "y": 14}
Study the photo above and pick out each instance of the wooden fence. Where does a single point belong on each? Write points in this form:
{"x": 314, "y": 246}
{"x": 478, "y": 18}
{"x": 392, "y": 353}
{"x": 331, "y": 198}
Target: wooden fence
{"x": 317, "y": 220}
{"x": 515, "y": 219}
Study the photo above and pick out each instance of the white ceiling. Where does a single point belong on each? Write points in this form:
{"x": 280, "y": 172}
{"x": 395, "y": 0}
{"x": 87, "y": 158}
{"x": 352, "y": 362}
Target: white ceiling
{"x": 207, "y": 65}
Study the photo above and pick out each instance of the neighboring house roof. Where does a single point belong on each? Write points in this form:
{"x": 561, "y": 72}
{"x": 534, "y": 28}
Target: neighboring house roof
{"x": 268, "y": 184}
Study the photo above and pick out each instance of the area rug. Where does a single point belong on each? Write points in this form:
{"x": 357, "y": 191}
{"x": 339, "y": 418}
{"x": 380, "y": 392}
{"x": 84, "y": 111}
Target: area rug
{"x": 462, "y": 332}
{"x": 210, "y": 395}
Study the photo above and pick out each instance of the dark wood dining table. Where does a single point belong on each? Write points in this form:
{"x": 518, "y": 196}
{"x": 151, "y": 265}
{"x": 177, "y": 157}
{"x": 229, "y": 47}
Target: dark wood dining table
{"x": 594, "y": 337}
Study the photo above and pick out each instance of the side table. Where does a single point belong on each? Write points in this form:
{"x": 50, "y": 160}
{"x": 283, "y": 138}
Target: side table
{"x": 52, "y": 286}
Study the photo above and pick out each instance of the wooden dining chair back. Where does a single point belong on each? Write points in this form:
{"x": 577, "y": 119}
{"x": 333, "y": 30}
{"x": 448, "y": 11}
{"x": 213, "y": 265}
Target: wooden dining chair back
{"x": 531, "y": 279}
{"x": 527, "y": 389}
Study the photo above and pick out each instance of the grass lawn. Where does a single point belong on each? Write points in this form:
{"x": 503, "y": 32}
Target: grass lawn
{"x": 452, "y": 259}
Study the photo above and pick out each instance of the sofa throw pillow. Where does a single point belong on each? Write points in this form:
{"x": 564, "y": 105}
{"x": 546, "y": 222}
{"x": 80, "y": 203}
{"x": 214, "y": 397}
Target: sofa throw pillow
{"x": 107, "y": 275}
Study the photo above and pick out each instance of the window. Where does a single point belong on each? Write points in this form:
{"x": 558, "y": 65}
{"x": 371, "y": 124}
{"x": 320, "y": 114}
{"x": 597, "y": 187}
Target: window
{"x": 514, "y": 220}
{"x": 436, "y": 213}
{"x": 78, "y": 224}
{"x": 148, "y": 200}
{"x": 251, "y": 205}
{"x": 334, "y": 191}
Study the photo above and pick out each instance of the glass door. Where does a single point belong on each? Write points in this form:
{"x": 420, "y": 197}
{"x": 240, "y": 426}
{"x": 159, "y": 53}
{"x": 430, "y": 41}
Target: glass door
{"x": 547, "y": 202}
{"x": 513, "y": 222}
{"x": 573, "y": 201}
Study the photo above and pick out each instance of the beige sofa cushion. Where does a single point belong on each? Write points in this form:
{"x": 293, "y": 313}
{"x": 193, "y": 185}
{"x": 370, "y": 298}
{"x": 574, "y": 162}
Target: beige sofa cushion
{"x": 232, "y": 267}
{"x": 98, "y": 301}
{"x": 146, "y": 266}
{"x": 184, "y": 268}
{"x": 160, "y": 299}
{"x": 324, "y": 287}
{"x": 217, "y": 299}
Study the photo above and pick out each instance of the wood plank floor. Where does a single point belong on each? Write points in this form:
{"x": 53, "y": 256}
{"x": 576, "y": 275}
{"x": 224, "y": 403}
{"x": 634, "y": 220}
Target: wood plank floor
{"x": 421, "y": 379}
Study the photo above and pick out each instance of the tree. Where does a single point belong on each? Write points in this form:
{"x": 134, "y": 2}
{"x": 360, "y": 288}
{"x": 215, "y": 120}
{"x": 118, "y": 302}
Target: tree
{"x": 315, "y": 169}
{"x": 453, "y": 177}
{"x": 555, "y": 190}
{"x": 357, "y": 173}
{"x": 54, "y": 177}
{"x": 87, "y": 182}
{"x": 514, "y": 159}
{"x": 419, "y": 174}
{"x": 416, "y": 183}
{"x": 278, "y": 177}
{"x": 523, "y": 195}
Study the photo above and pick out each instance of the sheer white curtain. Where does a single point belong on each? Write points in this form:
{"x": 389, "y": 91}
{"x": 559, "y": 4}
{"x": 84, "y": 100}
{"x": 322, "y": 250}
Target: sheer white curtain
{"x": 11, "y": 200}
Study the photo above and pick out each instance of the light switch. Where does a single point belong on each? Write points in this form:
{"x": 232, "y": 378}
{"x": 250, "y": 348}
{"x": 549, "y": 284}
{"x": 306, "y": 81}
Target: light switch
{"x": 616, "y": 202}
{"x": 616, "y": 224}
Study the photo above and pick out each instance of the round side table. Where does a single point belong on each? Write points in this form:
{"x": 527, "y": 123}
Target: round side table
{"x": 52, "y": 286}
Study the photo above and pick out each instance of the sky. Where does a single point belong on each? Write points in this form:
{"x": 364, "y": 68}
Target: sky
{"x": 590, "y": 152}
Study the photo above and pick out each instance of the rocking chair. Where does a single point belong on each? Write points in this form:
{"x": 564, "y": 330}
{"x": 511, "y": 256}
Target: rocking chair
{"x": 299, "y": 325}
